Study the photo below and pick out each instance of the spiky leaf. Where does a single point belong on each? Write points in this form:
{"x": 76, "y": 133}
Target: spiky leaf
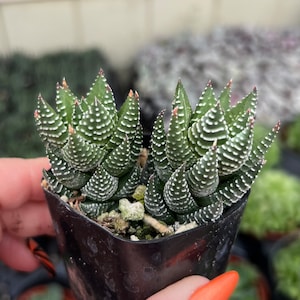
{"x": 49, "y": 124}
{"x": 176, "y": 193}
{"x": 101, "y": 186}
{"x": 128, "y": 121}
{"x": 80, "y": 154}
{"x": 68, "y": 176}
{"x": 178, "y": 150}
{"x": 94, "y": 209}
{"x": 182, "y": 103}
{"x": 203, "y": 215}
{"x": 225, "y": 96}
{"x": 102, "y": 91}
{"x": 158, "y": 144}
{"x": 203, "y": 177}
{"x": 118, "y": 161}
{"x": 128, "y": 183}
{"x": 154, "y": 201}
{"x": 211, "y": 127}
{"x": 65, "y": 102}
{"x": 233, "y": 154}
{"x": 96, "y": 124}
{"x": 205, "y": 103}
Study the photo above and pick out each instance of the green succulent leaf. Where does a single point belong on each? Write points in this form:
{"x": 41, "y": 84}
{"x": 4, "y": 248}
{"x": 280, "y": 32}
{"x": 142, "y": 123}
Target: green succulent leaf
{"x": 176, "y": 193}
{"x": 260, "y": 148}
{"x": 128, "y": 121}
{"x": 233, "y": 154}
{"x": 205, "y": 103}
{"x": 154, "y": 201}
{"x": 102, "y": 186}
{"x": 177, "y": 147}
{"x": 80, "y": 154}
{"x": 240, "y": 123}
{"x": 118, "y": 161}
{"x": 206, "y": 214}
{"x": 158, "y": 144}
{"x": 203, "y": 177}
{"x": 94, "y": 209}
{"x": 102, "y": 91}
{"x": 49, "y": 124}
{"x": 68, "y": 176}
{"x": 248, "y": 103}
{"x": 56, "y": 186}
{"x": 96, "y": 124}
{"x": 183, "y": 106}
{"x": 136, "y": 145}
{"x": 236, "y": 187}
{"x": 225, "y": 96}
{"x": 209, "y": 128}
{"x": 128, "y": 183}
{"x": 65, "y": 102}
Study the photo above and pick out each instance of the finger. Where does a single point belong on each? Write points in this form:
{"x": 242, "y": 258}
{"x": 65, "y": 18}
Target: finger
{"x": 180, "y": 290}
{"x": 30, "y": 219}
{"x": 20, "y": 181}
{"x": 15, "y": 254}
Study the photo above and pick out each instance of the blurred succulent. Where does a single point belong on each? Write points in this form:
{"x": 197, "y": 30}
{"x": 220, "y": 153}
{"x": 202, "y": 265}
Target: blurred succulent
{"x": 273, "y": 208}
{"x": 287, "y": 266}
{"x": 249, "y": 55}
{"x": 204, "y": 163}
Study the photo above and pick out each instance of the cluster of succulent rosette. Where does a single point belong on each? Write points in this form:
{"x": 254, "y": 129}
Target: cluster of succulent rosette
{"x": 205, "y": 161}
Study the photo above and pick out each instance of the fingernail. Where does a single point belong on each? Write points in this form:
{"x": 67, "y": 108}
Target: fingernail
{"x": 220, "y": 288}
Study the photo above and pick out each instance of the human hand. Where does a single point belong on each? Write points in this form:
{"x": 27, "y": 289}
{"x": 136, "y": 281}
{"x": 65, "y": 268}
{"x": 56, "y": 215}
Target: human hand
{"x": 23, "y": 210}
{"x": 24, "y": 213}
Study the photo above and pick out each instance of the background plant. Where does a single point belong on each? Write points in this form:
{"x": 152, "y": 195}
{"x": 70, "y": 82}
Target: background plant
{"x": 274, "y": 204}
{"x": 287, "y": 269}
{"x": 22, "y": 77}
{"x": 248, "y": 55}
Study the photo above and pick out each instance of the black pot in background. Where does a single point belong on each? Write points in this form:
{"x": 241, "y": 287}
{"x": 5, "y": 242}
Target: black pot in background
{"x": 103, "y": 266}
{"x": 290, "y": 161}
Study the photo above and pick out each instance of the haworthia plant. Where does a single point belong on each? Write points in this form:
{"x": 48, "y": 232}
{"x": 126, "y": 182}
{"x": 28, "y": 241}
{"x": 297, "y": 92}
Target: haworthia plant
{"x": 203, "y": 163}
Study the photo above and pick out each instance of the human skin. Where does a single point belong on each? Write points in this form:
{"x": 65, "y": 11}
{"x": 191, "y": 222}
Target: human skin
{"x": 24, "y": 213}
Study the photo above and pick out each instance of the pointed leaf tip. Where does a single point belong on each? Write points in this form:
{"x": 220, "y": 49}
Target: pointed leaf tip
{"x": 71, "y": 129}
{"x": 101, "y": 72}
{"x": 64, "y": 83}
{"x": 229, "y": 84}
{"x": 276, "y": 128}
{"x": 136, "y": 95}
{"x": 130, "y": 94}
{"x": 175, "y": 111}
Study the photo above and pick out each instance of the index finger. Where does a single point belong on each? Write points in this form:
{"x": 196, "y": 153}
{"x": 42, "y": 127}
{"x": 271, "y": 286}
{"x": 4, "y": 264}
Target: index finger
{"x": 20, "y": 181}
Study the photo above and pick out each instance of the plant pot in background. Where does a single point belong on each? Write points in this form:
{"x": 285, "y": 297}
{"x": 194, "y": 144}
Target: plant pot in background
{"x": 104, "y": 266}
{"x": 252, "y": 283}
{"x": 284, "y": 262}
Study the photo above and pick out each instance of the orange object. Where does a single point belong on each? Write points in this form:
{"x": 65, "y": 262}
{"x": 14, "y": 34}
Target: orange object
{"x": 220, "y": 288}
{"x": 41, "y": 256}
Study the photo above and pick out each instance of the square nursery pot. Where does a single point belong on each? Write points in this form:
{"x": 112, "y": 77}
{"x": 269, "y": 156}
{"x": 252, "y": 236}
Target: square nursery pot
{"x": 101, "y": 265}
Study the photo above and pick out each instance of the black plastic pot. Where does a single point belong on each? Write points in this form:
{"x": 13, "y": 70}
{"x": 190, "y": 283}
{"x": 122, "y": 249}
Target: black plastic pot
{"x": 103, "y": 266}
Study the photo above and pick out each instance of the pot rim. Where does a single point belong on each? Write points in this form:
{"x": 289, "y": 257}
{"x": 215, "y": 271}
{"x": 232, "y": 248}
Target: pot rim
{"x": 225, "y": 215}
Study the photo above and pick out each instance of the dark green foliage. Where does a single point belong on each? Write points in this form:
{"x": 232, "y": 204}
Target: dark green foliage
{"x": 23, "y": 77}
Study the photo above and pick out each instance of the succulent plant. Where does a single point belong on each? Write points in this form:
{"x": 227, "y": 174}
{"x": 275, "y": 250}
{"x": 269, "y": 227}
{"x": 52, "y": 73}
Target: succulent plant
{"x": 204, "y": 163}
{"x": 249, "y": 55}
